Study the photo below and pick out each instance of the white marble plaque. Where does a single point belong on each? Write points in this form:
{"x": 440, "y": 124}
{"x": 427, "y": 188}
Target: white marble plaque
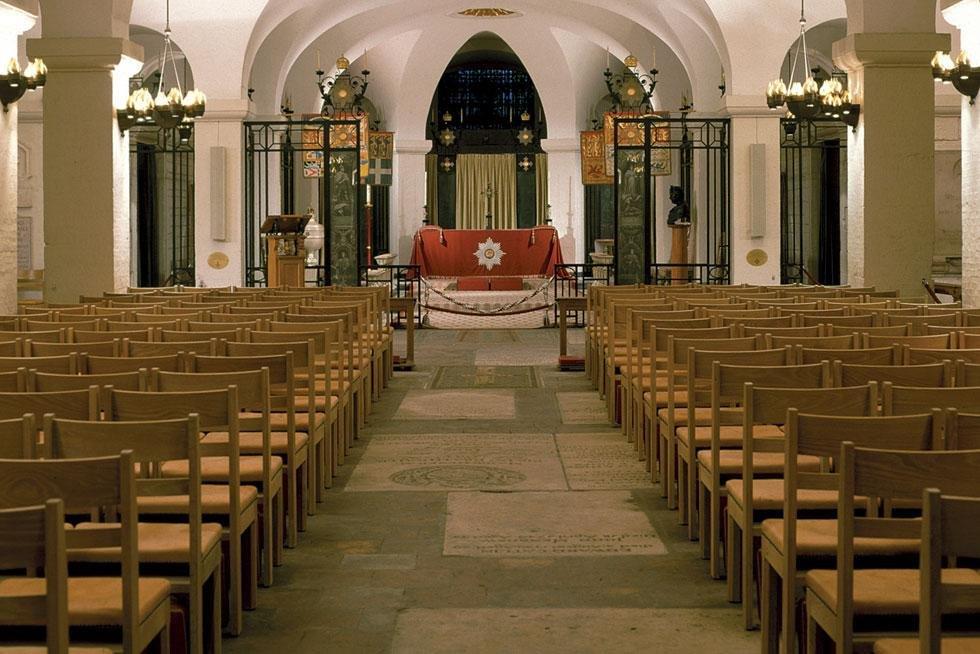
{"x": 507, "y": 525}
{"x": 457, "y": 405}
{"x": 601, "y": 461}
{"x": 572, "y": 631}
{"x": 446, "y": 462}
{"x": 582, "y": 408}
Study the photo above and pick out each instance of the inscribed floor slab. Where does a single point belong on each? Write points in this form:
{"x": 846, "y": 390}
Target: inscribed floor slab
{"x": 599, "y": 523}
{"x": 581, "y": 408}
{"x": 457, "y": 405}
{"x": 601, "y": 461}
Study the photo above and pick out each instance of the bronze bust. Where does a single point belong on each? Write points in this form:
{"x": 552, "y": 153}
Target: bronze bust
{"x": 681, "y": 213}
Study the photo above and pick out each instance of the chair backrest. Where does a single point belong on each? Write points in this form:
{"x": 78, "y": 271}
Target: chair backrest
{"x": 138, "y": 349}
{"x": 888, "y": 475}
{"x": 63, "y": 363}
{"x": 903, "y": 400}
{"x": 107, "y": 365}
{"x": 31, "y": 538}
{"x": 935, "y": 341}
{"x": 750, "y": 329}
{"x": 840, "y": 321}
{"x": 87, "y": 336}
{"x": 85, "y": 485}
{"x": 18, "y": 438}
{"x": 930, "y": 374}
{"x": 82, "y": 404}
{"x": 895, "y": 330}
{"x": 51, "y": 336}
{"x": 108, "y": 348}
{"x": 915, "y": 355}
{"x": 14, "y": 381}
{"x": 825, "y": 342}
{"x": 868, "y": 356}
{"x": 950, "y": 529}
{"x": 962, "y": 430}
{"x": 917, "y": 324}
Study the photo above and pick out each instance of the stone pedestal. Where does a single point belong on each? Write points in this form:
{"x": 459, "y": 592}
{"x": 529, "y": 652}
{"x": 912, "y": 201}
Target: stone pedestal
{"x": 13, "y": 22}
{"x": 965, "y": 14}
{"x": 891, "y": 156}
{"x": 86, "y": 164}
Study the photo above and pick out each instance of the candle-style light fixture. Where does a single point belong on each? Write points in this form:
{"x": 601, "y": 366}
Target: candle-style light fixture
{"x": 806, "y": 98}
{"x": 14, "y": 83}
{"x": 962, "y": 74}
{"x": 342, "y": 93}
{"x": 165, "y": 109}
{"x": 633, "y": 88}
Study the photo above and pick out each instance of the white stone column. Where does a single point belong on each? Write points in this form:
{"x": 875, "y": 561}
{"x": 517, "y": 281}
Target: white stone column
{"x": 13, "y": 23}
{"x": 218, "y": 219}
{"x": 754, "y": 123}
{"x": 965, "y": 14}
{"x": 407, "y": 195}
{"x": 891, "y": 154}
{"x": 86, "y": 164}
{"x": 567, "y": 195}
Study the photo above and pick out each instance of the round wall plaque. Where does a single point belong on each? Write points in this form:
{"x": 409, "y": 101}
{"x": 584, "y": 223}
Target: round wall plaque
{"x": 757, "y": 257}
{"x": 217, "y": 260}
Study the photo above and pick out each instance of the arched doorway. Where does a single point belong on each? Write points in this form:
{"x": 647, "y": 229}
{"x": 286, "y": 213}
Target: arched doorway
{"x": 486, "y": 167}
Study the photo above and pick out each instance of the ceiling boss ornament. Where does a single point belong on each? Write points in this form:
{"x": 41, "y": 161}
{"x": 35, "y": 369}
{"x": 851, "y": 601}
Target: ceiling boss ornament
{"x": 488, "y": 254}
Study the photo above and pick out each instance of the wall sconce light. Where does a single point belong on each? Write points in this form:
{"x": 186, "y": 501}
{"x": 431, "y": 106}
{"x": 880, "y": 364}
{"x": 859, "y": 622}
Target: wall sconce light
{"x": 964, "y": 77}
{"x": 14, "y": 83}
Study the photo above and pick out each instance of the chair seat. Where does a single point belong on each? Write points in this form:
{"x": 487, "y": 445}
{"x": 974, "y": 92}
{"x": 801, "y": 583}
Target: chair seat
{"x": 92, "y": 601}
{"x": 215, "y": 468}
{"x": 159, "y": 542}
{"x": 911, "y": 646}
{"x": 320, "y": 400}
{"x": 214, "y": 501}
{"x": 884, "y": 592}
{"x": 818, "y": 538}
{"x": 250, "y": 442}
{"x": 763, "y": 463}
{"x": 702, "y": 416}
{"x": 680, "y": 399}
{"x": 279, "y": 420}
{"x": 731, "y": 435}
{"x": 769, "y": 495}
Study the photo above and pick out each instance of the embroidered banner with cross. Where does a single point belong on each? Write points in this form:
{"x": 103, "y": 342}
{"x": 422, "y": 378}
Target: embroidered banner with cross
{"x": 380, "y": 155}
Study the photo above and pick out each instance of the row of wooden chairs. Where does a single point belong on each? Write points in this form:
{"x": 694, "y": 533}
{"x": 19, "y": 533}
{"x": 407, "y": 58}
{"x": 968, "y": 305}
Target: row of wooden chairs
{"x": 267, "y": 405}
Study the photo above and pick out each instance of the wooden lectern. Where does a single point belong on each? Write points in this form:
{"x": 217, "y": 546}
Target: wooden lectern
{"x": 286, "y": 260}
{"x": 678, "y": 252}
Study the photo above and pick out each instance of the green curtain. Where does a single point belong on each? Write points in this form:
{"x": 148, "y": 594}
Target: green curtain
{"x": 473, "y": 173}
{"x": 432, "y": 187}
{"x": 541, "y": 168}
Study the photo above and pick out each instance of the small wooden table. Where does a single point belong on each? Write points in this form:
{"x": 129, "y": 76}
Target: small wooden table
{"x": 406, "y": 305}
{"x": 565, "y": 305}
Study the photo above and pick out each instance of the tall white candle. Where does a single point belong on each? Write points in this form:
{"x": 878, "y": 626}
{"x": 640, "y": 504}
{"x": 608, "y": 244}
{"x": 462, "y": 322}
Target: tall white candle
{"x": 318, "y": 59}
{"x": 607, "y": 58}
{"x": 653, "y": 57}
{"x": 368, "y": 194}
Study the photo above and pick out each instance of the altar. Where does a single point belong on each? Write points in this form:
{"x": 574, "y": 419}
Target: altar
{"x": 497, "y": 255}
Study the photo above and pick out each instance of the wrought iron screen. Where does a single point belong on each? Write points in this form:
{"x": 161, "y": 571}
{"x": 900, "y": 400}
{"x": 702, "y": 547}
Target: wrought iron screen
{"x": 293, "y": 166}
{"x": 162, "y": 209}
{"x": 692, "y": 153}
{"x": 813, "y": 191}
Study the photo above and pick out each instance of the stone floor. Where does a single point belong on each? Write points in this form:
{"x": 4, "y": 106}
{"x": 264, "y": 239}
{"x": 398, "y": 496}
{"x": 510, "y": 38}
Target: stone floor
{"x": 489, "y": 508}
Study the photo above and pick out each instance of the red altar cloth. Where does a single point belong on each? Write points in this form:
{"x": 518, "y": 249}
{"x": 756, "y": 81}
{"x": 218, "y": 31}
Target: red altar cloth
{"x": 452, "y": 252}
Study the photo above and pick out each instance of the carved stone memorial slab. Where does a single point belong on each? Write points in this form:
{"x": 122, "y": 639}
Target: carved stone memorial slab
{"x": 601, "y": 461}
{"x": 457, "y": 405}
{"x": 583, "y": 408}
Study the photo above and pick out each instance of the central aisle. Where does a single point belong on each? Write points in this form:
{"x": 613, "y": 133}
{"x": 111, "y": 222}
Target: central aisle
{"x": 490, "y": 508}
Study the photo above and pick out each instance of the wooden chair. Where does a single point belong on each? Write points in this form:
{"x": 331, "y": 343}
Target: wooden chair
{"x": 220, "y": 495}
{"x": 918, "y": 324}
{"x": 255, "y": 439}
{"x": 139, "y": 605}
{"x": 63, "y": 363}
{"x": 724, "y": 458}
{"x": 81, "y": 404}
{"x": 894, "y": 330}
{"x": 109, "y": 348}
{"x": 802, "y": 539}
{"x": 824, "y": 342}
{"x": 139, "y": 349}
{"x": 835, "y": 599}
{"x": 904, "y": 400}
{"x": 32, "y": 538}
{"x": 881, "y": 356}
{"x": 916, "y": 356}
{"x": 781, "y": 332}
{"x": 187, "y": 554}
{"x": 86, "y": 336}
{"x": 50, "y": 336}
{"x": 170, "y": 336}
{"x": 14, "y": 381}
{"x": 758, "y": 493}
{"x": 949, "y": 530}
{"x": 936, "y": 341}
{"x": 849, "y": 323}
{"x": 18, "y": 438}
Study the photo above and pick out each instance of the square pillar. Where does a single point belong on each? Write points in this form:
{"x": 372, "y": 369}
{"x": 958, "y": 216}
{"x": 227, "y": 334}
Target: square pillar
{"x": 218, "y": 194}
{"x": 407, "y": 196}
{"x": 965, "y": 14}
{"x": 891, "y": 158}
{"x": 86, "y": 165}
{"x": 755, "y": 191}
{"x": 567, "y": 195}
{"x": 13, "y": 23}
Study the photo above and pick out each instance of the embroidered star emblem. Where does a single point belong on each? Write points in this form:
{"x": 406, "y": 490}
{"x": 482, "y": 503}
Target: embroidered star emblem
{"x": 488, "y": 254}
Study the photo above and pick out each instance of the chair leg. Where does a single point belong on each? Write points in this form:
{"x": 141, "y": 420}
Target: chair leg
{"x": 682, "y": 490}
{"x": 236, "y": 589}
{"x": 769, "y": 608}
{"x": 195, "y": 621}
{"x": 252, "y": 581}
{"x": 692, "y": 492}
{"x": 748, "y": 574}
{"x": 704, "y": 535}
{"x": 733, "y": 560}
{"x": 217, "y": 586}
{"x": 715, "y": 561}
{"x": 811, "y": 634}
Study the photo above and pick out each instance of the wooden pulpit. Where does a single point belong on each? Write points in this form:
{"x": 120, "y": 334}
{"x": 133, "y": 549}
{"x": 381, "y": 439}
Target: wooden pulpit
{"x": 286, "y": 256}
{"x": 680, "y": 233}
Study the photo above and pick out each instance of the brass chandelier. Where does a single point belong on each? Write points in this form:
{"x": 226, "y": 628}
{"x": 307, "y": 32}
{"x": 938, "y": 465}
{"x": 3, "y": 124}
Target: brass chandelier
{"x": 164, "y": 110}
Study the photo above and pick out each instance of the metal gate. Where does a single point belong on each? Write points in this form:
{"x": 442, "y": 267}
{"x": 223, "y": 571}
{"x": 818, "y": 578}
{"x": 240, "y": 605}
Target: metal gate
{"x": 693, "y": 154}
{"x": 813, "y": 191}
{"x": 300, "y": 166}
{"x": 162, "y": 209}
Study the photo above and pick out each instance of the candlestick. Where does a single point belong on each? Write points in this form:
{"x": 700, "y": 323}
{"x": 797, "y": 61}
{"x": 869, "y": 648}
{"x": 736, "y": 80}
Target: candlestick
{"x": 607, "y": 58}
{"x": 318, "y": 59}
{"x": 653, "y": 57}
